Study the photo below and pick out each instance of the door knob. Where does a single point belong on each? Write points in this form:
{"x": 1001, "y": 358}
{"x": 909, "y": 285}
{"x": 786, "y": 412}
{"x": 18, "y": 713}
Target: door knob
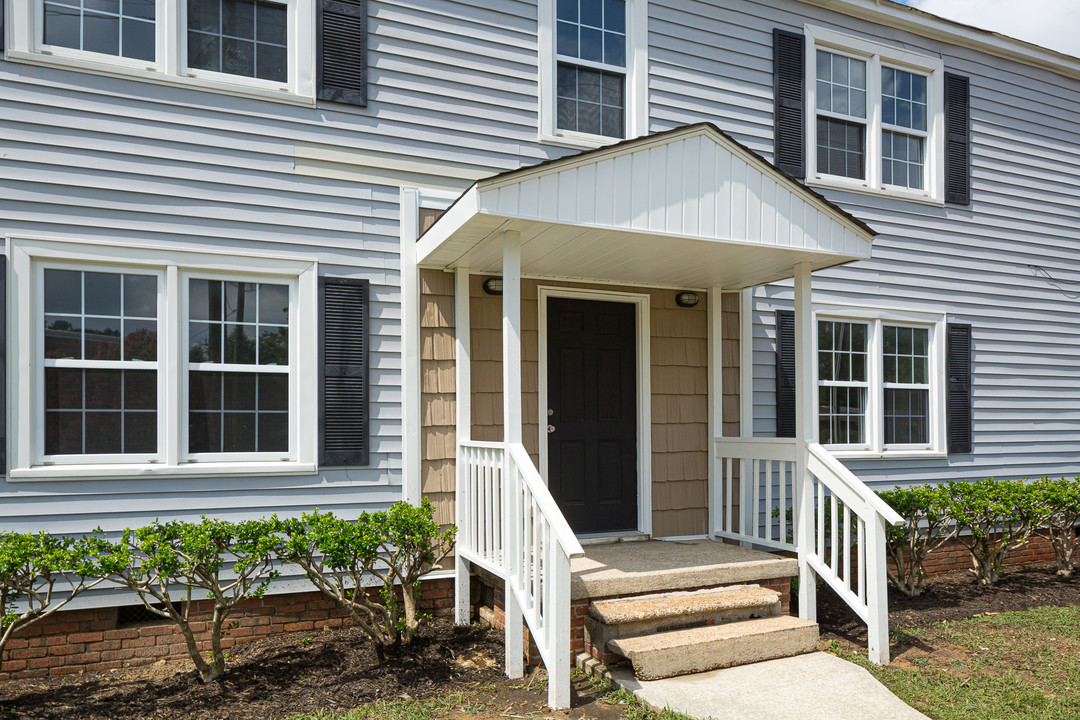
{"x": 551, "y": 429}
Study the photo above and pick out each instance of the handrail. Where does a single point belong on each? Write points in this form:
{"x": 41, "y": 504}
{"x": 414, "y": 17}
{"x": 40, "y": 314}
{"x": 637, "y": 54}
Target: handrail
{"x": 854, "y": 484}
{"x": 547, "y": 505}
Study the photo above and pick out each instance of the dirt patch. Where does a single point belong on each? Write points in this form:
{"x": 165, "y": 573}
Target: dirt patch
{"x": 951, "y": 596}
{"x": 303, "y": 672}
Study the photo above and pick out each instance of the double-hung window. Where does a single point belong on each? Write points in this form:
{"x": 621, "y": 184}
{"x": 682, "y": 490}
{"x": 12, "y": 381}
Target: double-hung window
{"x": 879, "y": 382}
{"x": 257, "y": 46}
{"x": 877, "y": 119}
{"x": 162, "y": 363}
{"x": 592, "y": 69}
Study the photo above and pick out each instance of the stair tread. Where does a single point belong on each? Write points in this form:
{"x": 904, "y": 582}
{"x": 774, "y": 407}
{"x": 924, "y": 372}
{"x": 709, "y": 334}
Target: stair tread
{"x": 631, "y": 646}
{"x": 652, "y": 607}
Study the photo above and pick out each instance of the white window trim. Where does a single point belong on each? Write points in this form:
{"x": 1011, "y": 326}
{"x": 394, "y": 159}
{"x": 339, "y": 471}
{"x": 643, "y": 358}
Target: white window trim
{"x": 637, "y": 69}
{"x": 876, "y": 317}
{"x": 876, "y": 54}
{"x": 26, "y": 256}
{"x": 24, "y": 29}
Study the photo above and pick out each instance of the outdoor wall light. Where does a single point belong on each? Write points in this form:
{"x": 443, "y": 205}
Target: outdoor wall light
{"x": 687, "y": 299}
{"x": 493, "y": 286}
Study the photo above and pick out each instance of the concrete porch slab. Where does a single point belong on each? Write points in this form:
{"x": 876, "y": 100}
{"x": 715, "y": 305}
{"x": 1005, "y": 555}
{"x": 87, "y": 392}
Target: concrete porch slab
{"x": 817, "y": 686}
{"x": 658, "y": 566}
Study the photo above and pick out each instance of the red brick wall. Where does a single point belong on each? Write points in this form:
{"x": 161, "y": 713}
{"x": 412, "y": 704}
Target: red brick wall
{"x": 954, "y": 556}
{"x": 76, "y": 640}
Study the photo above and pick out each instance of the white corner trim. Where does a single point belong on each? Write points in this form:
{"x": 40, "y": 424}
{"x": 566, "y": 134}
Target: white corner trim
{"x": 643, "y": 341}
{"x": 411, "y": 445}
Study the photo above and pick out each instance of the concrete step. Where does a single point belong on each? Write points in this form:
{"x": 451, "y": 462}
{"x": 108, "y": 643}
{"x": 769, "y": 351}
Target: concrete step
{"x": 681, "y": 652}
{"x": 645, "y": 614}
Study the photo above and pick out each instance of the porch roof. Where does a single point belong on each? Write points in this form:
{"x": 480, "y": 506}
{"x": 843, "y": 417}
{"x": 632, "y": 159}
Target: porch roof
{"x": 689, "y": 207}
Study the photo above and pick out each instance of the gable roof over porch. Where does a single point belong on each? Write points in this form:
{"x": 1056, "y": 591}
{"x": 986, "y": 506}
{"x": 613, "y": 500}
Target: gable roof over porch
{"x": 688, "y": 207}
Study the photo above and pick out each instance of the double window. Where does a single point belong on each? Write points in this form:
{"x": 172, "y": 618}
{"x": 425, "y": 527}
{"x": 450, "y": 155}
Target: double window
{"x": 878, "y": 387}
{"x": 877, "y": 121}
{"x": 254, "y": 44}
{"x": 164, "y": 366}
{"x": 592, "y": 69}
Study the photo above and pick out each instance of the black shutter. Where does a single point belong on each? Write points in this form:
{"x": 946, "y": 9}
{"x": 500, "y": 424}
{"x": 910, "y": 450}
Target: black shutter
{"x": 343, "y": 355}
{"x": 3, "y": 361}
{"x": 342, "y": 49}
{"x": 958, "y": 365}
{"x": 957, "y": 139}
{"x": 789, "y": 102}
{"x": 785, "y": 373}
{"x": 1, "y": 26}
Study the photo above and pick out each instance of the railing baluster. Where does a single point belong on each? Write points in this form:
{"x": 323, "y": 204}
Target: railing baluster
{"x": 527, "y": 547}
{"x": 861, "y": 562}
{"x": 819, "y": 505}
{"x": 834, "y": 547}
{"x": 729, "y": 484}
{"x": 755, "y": 507}
{"x": 768, "y": 500}
{"x": 781, "y": 468}
{"x": 847, "y": 545}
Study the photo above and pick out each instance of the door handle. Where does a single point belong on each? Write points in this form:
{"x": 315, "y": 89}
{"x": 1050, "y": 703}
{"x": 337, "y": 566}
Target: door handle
{"x": 550, "y": 429}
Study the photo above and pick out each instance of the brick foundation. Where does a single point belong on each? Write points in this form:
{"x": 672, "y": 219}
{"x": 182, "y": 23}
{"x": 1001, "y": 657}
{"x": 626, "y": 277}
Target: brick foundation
{"x": 93, "y": 640}
{"x": 488, "y": 592}
{"x": 954, "y": 556}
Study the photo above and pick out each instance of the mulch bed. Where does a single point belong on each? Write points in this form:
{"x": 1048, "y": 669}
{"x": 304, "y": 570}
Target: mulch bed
{"x": 270, "y": 678}
{"x": 953, "y": 596}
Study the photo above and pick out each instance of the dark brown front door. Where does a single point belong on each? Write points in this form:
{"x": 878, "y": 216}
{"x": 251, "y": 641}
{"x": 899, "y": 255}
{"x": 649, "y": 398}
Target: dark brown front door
{"x": 592, "y": 395}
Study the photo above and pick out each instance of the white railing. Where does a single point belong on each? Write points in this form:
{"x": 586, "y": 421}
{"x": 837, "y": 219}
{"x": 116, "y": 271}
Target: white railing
{"x": 480, "y": 497}
{"x": 848, "y": 545}
{"x": 758, "y": 493}
{"x": 512, "y": 527}
{"x": 758, "y": 510}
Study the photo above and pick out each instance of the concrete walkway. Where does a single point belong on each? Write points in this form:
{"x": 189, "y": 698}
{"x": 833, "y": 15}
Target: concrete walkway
{"x": 817, "y": 686}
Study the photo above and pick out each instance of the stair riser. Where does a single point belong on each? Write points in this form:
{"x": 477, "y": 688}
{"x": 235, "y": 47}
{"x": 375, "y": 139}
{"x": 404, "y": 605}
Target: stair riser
{"x": 599, "y": 635}
{"x": 669, "y": 662}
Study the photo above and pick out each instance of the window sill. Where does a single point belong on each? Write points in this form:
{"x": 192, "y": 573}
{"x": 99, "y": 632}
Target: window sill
{"x": 828, "y": 183}
{"x": 151, "y": 75}
{"x": 579, "y": 141}
{"x": 137, "y": 472}
{"x": 888, "y": 454}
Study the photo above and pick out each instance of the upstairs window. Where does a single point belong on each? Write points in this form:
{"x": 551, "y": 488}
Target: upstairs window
{"x": 878, "y": 117}
{"x": 591, "y": 50}
{"x": 592, "y": 70}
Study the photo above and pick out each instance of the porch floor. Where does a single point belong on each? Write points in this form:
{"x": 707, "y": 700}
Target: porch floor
{"x": 628, "y": 568}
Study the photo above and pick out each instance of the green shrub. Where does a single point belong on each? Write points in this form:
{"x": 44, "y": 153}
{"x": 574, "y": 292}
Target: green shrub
{"x": 993, "y": 518}
{"x": 395, "y": 547}
{"x": 40, "y": 574}
{"x": 926, "y": 527}
{"x": 1061, "y": 501}
{"x": 230, "y": 561}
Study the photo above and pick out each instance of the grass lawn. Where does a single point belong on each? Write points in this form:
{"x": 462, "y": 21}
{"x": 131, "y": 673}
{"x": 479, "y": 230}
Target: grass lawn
{"x": 999, "y": 666}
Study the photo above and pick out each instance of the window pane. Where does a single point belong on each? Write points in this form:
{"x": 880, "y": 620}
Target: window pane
{"x": 205, "y": 340}
{"x": 249, "y": 40}
{"x": 615, "y": 15}
{"x": 273, "y": 346}
{"x": 96, "y": 412}
{"x": 140, "y": 296}
{"x": 591, "y": 101}
{"x": 567, "y": 39}
{"x": 101, "y": 33}
{"x": 841, "y": 84}
{"x": 101, "y": 293}
{"x": 102, "y": 338}
{"x": 614, "y": 48}
{"x": 904, "y": 95}
{"x": 228, "y": 412}
{"x": 144, "y": 9}
{"x": 63, "y": 291}
{"x": 592, "y": 12}
{"x": 204, "y": 299}
{"x": 138, "y": 40}
{"x": 140, "y": 340}
{"x": 907, "y": 418}
{"x": 841, "y": 415}
{"x": 842, "y": 351}
{"x": 841, "y": 148}
{"x": 240, "y": 344}
{"x": 241, "y": 301}
{"x": 568, "y": 10}
{"x": 63, "y": 337}
{"x": 274, "y": 304}
{"x": 62, "y": 29}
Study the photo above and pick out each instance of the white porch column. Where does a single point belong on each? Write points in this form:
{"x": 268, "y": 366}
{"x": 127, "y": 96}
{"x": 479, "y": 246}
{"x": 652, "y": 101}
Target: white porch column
{"x": 716, "y": 401}
{"x": 805, "y": 433}
{"x": 511, "y": 367}
{"x": 463, "y": 388}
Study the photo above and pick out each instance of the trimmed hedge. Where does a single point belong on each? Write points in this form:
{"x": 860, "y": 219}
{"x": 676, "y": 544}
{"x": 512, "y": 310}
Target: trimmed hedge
{"x": 989, "y": 517}
{"x": 168, "y": 565}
